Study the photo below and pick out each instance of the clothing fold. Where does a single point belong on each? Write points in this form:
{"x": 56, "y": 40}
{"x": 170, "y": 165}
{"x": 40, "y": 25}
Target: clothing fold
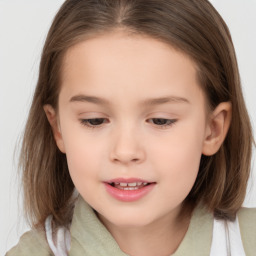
{"x": 90, "y": 237}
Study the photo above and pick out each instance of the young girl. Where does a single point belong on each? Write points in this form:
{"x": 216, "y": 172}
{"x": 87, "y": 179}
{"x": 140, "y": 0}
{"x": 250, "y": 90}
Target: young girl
{"x": 138, "y": 141}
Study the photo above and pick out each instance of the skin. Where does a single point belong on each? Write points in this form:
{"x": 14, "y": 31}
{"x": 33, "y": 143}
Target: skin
{"x": 126, "y": 71}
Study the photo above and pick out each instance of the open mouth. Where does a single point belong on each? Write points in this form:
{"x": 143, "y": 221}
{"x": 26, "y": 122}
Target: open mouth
{"x": 128, "y": 190}
{"x": 129, "y": 186}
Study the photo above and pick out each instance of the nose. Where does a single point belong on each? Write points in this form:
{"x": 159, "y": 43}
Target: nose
{"x": 127, "y": 147}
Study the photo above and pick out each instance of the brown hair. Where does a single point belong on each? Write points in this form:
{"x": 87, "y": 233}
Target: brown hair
{"x": 192, "y": 26}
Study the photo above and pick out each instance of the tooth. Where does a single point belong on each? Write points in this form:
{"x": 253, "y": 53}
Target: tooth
{"x": 139, "y": 183}
{"x": 132, "y": 184}
{"x": 123, "y": 184}
{"x": 116, "y": 183}
{"x": 129, "y": 188}
{"x": 145, "y": 183}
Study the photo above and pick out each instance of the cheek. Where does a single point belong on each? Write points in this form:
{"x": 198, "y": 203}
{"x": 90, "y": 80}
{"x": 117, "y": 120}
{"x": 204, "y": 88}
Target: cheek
{"x": 83, "y": 157}
{"x": 84, "y": 165}
{"x": 83, "y": 154}
{"x": 178, "y": 159}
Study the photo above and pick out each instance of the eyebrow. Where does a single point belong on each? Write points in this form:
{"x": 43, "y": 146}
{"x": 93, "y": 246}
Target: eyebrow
{"x": 147, "y": 102}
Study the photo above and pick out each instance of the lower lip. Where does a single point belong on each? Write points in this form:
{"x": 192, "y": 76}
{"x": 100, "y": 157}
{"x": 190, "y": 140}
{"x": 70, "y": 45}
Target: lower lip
{"x": 129, "y": 195}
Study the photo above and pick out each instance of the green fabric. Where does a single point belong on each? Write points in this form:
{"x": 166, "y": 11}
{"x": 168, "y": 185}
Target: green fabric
{"x": 247, "y": 223}
{"x": 198, "y": 239}
{"x": 90, "y": 237}
{"x": 31, "y": 243}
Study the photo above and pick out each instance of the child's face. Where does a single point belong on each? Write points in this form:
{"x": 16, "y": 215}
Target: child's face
{"x": 114, "y": 79}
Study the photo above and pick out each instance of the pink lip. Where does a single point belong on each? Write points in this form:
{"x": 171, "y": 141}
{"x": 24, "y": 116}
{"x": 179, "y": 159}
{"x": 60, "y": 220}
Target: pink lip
{"x": 128, "y": 195}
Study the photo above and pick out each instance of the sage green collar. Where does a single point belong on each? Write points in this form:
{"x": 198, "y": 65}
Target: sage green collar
{"x": 198, "y": 238}
{"x": 90, "y": 237}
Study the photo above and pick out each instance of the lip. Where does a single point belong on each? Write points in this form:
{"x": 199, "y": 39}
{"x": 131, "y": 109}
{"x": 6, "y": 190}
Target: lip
{"x": 128, "y": 195}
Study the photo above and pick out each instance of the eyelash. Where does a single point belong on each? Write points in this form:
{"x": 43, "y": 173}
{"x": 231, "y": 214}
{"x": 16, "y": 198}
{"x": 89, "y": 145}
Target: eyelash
{"x": 86, "y": 122}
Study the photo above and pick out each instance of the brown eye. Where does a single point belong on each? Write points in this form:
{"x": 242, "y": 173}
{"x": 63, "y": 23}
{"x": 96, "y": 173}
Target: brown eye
{"x": 162, "y": 122}
{"x": 94, "y": 122}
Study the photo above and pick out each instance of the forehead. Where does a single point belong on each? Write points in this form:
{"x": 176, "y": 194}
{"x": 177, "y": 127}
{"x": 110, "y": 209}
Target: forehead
{"x": 121, "y": 64}
{"x": 120, "y": 46}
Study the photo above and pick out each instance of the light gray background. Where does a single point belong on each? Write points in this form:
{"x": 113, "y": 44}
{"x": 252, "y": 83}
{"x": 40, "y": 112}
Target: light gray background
{"x": 23, "y": 27}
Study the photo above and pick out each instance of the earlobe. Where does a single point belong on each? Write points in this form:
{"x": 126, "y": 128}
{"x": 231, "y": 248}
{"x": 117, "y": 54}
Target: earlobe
{"x": 53, "y": 120}
{"x": 217, "y": 128}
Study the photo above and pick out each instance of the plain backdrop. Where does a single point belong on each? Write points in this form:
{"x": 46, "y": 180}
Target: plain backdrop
{"x": 23, "y": 28}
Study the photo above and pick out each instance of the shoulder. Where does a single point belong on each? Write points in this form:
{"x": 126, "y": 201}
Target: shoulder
{"x": 247, "y": 224}
{"x": 247, "y": 221}
{"x": 31, "y": 243}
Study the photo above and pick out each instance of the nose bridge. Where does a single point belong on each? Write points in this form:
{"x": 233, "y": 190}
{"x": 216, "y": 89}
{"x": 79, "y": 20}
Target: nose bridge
{"x": 127, "y": 144}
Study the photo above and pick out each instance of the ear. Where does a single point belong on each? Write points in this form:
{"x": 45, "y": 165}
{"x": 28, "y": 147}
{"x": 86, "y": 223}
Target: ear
{"x": 217, "y": 128}
{"x": 54, "y": 122}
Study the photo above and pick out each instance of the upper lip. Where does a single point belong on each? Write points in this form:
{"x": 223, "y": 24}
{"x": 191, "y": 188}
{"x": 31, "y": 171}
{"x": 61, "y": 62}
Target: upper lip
{"x": 127, "y": 180}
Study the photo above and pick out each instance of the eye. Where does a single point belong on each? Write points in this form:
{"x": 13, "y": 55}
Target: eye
{"x": 93, "y": 122}
{"x": 162, "y": 122}
{"x": 97, "y": 122}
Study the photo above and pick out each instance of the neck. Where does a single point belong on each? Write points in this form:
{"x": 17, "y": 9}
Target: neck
{"x": 161, "y": 237}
